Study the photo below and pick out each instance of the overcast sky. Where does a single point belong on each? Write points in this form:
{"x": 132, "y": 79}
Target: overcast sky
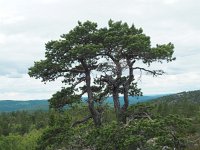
{"x": 26, "y": 25}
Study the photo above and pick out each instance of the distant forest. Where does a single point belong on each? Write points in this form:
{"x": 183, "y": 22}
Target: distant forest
{"x": 32, "y": 105}
{"x": 170, "y": 121}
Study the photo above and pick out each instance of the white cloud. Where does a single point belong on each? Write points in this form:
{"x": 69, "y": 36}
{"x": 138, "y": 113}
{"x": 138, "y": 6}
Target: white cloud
{"x": 170, "y": 83}
{"x": 2, "y": 39}
{"x": 170, "y": 1}
{"x": 26, "y": 88}
{"x": 12, "y": 20}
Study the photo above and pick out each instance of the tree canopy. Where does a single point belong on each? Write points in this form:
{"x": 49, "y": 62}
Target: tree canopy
{"x": 100, "y": 62}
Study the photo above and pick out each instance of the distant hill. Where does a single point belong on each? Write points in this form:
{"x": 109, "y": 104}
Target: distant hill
{"x": 185, "y": 104}
{"x": 11, "y": 105}
{"x": 134, "y": 100}
{"x": 192, "y": 96}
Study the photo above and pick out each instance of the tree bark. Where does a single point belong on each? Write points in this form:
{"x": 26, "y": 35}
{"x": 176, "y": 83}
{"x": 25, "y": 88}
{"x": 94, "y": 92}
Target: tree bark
{"x": 116, "y": 86}
{"x": 126, "y": 89}
{"x": 95, "y": 114}
{"x": 116, "y": 101}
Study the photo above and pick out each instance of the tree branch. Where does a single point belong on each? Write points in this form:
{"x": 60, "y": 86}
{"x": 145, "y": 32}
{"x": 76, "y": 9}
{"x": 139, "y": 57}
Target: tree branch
{"x": 73, "y": 70}
{"x": 153, "y": 72}
{"x": 108, "y": 79}
{"x": 79, "y": 81}
{"x": 81, "y": 121}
